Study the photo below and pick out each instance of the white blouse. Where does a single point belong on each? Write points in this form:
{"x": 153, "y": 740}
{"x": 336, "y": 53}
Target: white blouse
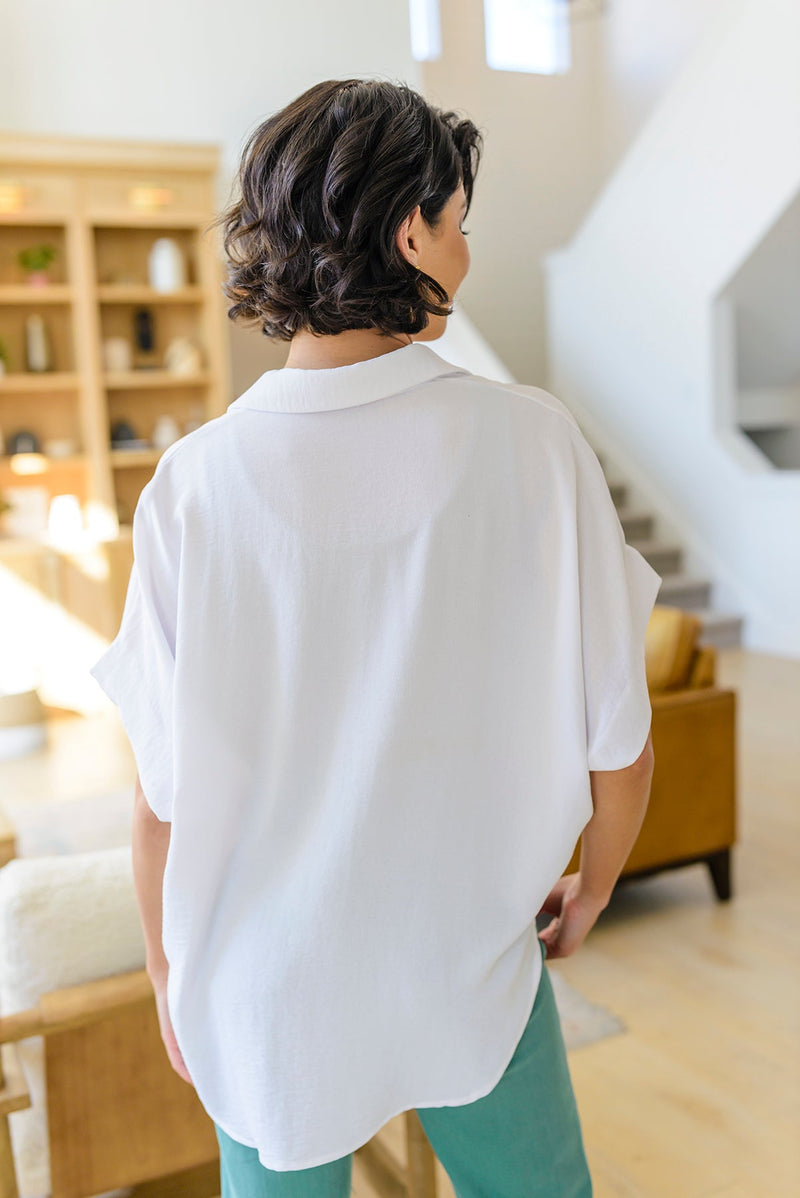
{"x": 381, "y": 623}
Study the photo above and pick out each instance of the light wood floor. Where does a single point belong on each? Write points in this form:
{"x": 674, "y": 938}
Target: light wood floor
{"x": 700, "y": 1096}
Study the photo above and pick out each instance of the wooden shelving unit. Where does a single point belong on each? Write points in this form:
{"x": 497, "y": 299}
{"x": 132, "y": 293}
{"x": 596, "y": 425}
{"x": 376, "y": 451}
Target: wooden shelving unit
{"x": 102, "y": 204}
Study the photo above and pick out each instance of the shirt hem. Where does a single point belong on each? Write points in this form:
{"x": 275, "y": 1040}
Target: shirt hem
{"x": 473, "y": 1096}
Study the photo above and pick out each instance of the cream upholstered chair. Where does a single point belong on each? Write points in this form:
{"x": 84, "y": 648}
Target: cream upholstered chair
{"x": 90, "y": 1102}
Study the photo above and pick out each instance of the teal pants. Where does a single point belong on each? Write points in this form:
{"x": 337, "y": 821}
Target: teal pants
{"x": 522, "y": 1140}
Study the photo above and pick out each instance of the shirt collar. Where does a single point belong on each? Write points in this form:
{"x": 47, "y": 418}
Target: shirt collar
{"x": 291, "y": 390}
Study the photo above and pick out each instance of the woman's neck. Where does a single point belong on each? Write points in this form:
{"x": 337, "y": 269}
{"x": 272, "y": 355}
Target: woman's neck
{"x": 309, "y": 351}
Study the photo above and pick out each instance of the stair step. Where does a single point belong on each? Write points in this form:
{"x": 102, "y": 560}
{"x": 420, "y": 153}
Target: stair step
{"x": 663, "y": 557}
{"x": 684, "y": 590}
{"x": 678, "y": 589}
{"x": 719, "y": 628}
{"x": 637, "y": 525}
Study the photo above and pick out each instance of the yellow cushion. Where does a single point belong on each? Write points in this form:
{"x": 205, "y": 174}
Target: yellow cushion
{"x": 704, "y": 664}
{"x": 669, "y": 645}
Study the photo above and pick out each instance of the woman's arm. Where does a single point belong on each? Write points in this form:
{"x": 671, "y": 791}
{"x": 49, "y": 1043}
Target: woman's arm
{"x": 149, "y": 845}
{"x": 620, "y": 799}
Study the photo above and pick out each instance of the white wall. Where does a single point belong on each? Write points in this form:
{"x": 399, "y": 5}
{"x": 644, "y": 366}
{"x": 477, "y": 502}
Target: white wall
{"x": 188, "y": 70}
{"x": 766, "y": 293}
{"x": 192, "y": 70}
{"x": 632, "y": 305}
{"x": 551, "y": 143}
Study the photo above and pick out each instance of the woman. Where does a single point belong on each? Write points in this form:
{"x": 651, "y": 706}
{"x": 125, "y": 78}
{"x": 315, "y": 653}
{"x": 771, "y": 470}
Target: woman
{"x": 381, "y": 664}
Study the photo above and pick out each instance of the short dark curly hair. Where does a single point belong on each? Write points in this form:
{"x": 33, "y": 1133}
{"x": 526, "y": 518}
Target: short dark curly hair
{"x": 325, "y": 184}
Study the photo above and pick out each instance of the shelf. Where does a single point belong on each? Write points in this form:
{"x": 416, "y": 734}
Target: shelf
{"x": 141, "y": 294}
{"x": 24, "y": 293}
{"x": 148, "y": 220}
{"x": 48, "y": 380}
{"x": 49, "y": 465}
{"x": 134, "y": 457}
{"x": 28, "y": 219}
{"x": 102, "y": 204}
{"x": 133, "y": 379}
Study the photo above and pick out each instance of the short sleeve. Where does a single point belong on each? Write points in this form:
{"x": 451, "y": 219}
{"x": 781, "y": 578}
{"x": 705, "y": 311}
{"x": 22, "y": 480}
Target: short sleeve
{"x": 618, "y": 590}
{"x": 137, "y": 669}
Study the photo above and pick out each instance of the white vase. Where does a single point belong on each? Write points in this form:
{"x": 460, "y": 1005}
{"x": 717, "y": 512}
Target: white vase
{"x": 165, "y": 432}
{"x": 166, "y": 265}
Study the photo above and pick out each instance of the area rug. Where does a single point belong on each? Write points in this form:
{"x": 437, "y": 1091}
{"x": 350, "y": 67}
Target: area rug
{"x": 104, "y": 822}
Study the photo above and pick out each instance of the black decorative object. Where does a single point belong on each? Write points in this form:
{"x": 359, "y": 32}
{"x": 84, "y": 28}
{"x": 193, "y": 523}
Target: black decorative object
{"x": 143, "y": 327}
{"x": 24, "y": 442}
{"x": 121, "y": 430}
{"x": 144, "y": 337}
{"x": 123, "y": 436}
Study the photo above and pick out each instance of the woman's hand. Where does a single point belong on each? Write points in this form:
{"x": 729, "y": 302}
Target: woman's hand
{"x": 167, "y": 1034}
{"x": 575, "y": 913}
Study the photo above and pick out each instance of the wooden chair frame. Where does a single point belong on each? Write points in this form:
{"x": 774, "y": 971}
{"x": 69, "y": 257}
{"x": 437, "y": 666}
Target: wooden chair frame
{"x": 106, "y": 1130}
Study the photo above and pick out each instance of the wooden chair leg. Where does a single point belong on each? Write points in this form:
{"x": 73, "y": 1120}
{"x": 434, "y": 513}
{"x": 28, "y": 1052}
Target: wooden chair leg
{"x": 719, "y": 866}
{"x": 8, "y": 1174}
{"x": 14, "y": 1096}
{"x": 421, "y": 1159}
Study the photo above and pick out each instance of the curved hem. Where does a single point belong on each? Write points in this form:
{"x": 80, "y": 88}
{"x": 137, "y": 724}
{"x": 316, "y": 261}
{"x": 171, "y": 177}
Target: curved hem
{"x": 482, "y": 1092}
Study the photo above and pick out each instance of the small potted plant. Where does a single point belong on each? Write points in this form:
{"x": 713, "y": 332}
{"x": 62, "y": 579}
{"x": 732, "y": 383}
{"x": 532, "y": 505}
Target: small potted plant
{"x": 35, "y": 260}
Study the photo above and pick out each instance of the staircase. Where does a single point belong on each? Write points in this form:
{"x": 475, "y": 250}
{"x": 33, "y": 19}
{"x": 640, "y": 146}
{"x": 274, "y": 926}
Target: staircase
{"x": 637, "y": 349}
{"x": 678, "y": 589}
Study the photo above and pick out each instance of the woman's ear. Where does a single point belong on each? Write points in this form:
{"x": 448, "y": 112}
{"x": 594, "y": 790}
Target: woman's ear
{"x": 407, "y": 236}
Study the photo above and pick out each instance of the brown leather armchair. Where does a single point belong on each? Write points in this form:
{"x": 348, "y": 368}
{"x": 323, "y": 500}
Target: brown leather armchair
{"x": 691, "y": 815}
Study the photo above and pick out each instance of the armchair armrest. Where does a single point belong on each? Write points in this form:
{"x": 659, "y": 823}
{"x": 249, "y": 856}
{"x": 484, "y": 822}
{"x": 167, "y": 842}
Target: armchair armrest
{"x": 75, "y": 1006}
{"x": 691, "y": 815}
{"x": 692, "y": 808}
{"x": 14, "y": 1093}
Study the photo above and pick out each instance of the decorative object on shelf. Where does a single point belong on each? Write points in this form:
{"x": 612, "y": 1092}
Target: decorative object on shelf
{"x": 182, "y": 356}
{"x": 117, "y": 355}
{"x": 165, "y": 432}
{"x": 23, "y": 727}
{"x": 38, "y": 354}
{"x": 65, "y": 520}
{"x": 35, "y": 260}
{"x": 123, "y": 436}
{"x": 30, "y": 507}
{"x": 3, "y": 359}
{"x": 24, "y": 442}
{"x": 144, "y": 333}
{"x": 150, "y": 199}
{"x": 12, "y": 196}
{"x": 195, "y": 420}
{"x": 61, "y": 447}
{"x": 166, "y": 265}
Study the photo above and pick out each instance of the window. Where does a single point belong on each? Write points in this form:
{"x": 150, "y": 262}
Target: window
{"x": 528, "y": 35}
{"x": 426, "y": 29}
